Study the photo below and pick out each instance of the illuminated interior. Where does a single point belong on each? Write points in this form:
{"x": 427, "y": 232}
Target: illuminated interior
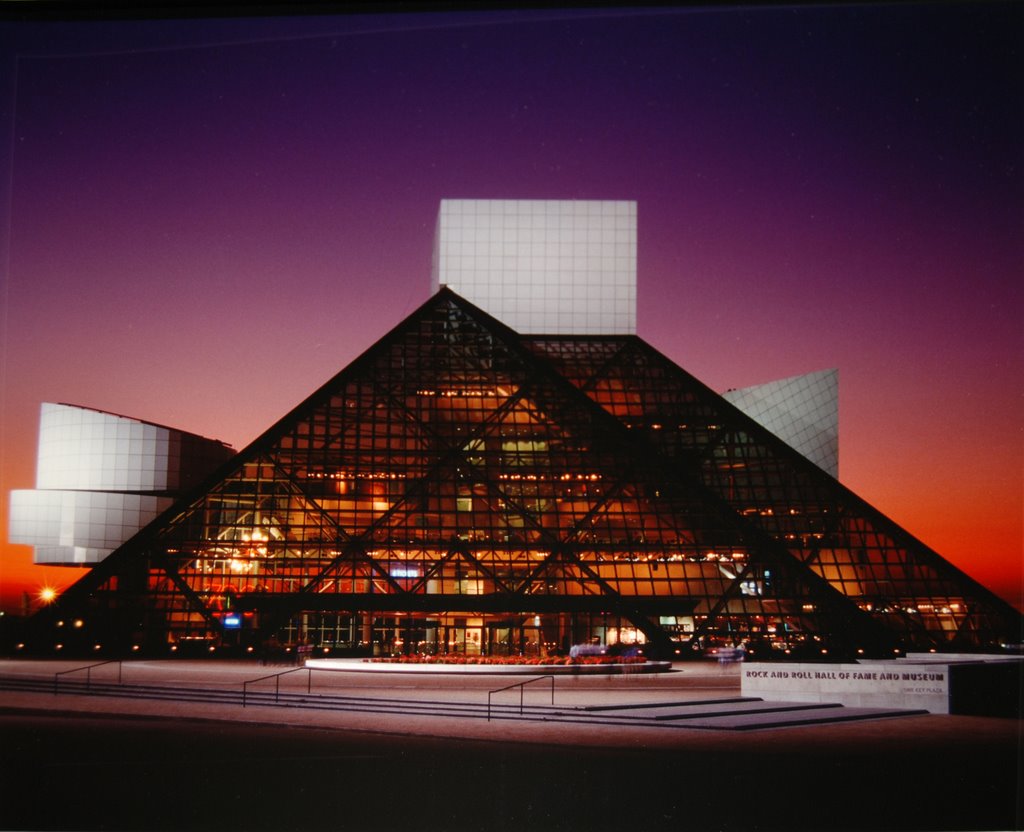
{"x": 461, "y": 488}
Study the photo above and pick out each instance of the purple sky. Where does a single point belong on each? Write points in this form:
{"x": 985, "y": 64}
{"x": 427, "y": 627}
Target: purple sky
{"x": 207, "y": 219}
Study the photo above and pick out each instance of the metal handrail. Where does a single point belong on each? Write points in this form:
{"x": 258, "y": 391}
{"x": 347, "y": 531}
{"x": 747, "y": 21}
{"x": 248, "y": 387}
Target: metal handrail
{"x": 277, "y": 682}
{"x": 521, "y": 686}
{"x": 88, "y": 673}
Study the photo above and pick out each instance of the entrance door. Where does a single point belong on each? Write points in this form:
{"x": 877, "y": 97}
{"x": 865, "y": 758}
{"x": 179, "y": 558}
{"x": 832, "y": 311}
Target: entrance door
{"x": 500, "y": 640}
{"x": 462, "y": 639}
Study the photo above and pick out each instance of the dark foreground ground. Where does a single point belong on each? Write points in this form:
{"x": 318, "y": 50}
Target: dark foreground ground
{"x": 114, "y": 772}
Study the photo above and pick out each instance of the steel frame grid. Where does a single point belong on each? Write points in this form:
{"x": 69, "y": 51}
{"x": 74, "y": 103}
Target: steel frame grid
{"x": 791, "y": 499}
{"x": 495, "y": 473}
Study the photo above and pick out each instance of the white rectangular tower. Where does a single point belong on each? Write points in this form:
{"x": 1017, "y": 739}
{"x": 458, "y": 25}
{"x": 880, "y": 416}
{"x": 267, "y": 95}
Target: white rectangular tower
{"x": 541, "y": 266}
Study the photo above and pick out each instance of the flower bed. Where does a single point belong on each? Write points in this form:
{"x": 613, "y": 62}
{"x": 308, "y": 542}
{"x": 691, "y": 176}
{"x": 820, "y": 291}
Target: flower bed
{"x": 548, "y": 661}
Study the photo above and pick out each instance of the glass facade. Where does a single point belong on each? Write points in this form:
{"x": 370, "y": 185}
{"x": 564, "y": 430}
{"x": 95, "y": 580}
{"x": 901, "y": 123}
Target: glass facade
{"x": 464, "y": 488}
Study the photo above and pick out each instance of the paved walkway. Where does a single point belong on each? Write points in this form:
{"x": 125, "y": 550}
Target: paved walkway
{"x": 605, "y": 711}
{"x": 212, "y": 764}
{"x": 697, "y": 682}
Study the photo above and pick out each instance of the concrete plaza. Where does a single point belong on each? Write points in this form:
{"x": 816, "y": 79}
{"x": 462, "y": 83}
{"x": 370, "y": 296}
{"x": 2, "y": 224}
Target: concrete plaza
{"x": 416, "y": 751}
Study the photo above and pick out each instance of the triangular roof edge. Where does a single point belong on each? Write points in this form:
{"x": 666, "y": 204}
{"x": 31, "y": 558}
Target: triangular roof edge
{"x": 104, "y": 569}
{"x": 889, "y": 525}
{"x": 604, "y": 422}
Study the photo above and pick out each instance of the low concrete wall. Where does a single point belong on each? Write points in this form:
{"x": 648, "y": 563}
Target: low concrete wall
{"x": 960, "y": 683}
{"x": 973, "y": 658}
{"x": 867, "y": 685}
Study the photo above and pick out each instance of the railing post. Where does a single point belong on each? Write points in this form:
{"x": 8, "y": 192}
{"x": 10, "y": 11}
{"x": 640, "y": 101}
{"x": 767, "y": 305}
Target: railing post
{"x": 88, "y": 673}
{"x": 309, "y": 681}
{"x": 522, "y": 689}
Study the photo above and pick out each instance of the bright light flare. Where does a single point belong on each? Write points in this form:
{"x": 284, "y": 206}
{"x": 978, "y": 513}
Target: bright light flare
{"x": 47, "y": 595}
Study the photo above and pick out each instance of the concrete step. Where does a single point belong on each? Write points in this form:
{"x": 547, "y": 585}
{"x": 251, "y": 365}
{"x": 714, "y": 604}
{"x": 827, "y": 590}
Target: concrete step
{"x": 796, "y": 717}
{"x": 732, "y": 714}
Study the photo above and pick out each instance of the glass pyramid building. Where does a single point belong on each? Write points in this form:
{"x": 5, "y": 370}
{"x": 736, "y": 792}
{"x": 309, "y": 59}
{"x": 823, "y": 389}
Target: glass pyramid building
{"x": 462, "y": 487}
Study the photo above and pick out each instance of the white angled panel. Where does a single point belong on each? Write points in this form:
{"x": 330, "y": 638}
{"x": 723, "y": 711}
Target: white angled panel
{"x": 88, "y": 463}
{"x": 68, "y": 555}
{"x": 803, "y": 411}
{"x": 106, "y": 520}
{"x": 34, "y": 517}
{"x": 87, "y": 449}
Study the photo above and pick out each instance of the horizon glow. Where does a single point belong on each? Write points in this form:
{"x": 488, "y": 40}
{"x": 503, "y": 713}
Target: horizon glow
{"x": 207, "y": 219}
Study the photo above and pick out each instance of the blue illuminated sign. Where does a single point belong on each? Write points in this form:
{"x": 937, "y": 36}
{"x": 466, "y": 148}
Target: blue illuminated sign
{"x": 232, "y": 622}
